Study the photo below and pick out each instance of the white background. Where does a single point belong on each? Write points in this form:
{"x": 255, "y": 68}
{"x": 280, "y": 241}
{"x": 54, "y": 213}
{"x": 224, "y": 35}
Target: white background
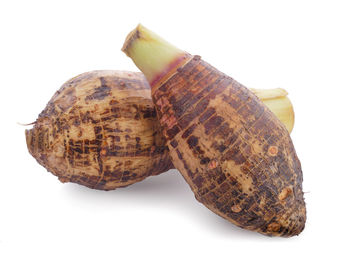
{"x": 302, "y": 46}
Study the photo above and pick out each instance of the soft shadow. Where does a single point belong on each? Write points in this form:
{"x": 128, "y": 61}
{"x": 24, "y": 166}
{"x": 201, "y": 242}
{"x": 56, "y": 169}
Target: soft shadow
{"x": 168, "y": 192}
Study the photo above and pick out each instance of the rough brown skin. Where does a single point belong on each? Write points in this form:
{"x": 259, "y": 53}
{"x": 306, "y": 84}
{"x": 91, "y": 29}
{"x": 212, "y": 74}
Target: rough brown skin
{"x": 100, "y": 130}
{"x": 234, "y": 153}
{"x": 130, "y": 101}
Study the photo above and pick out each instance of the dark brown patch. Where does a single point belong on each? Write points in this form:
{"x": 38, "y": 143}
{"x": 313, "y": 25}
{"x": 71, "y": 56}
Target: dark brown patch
{"x": 172, "y": 132}
{"x": 205, "y": 160}
{"x": 213, "y": 123}
{"x": 192, "y": 141}
{"x": 198, "y": 181}
{"x": 174, "y": 143}
{"x": 100, "y": 92}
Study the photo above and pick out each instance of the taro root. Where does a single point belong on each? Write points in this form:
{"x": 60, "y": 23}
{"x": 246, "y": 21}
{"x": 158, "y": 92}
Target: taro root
{"x": 100, "y": 130}
{"x": 235, "y": 154}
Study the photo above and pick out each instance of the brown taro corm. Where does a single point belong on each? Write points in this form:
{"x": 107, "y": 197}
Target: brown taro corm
{"x": 237, "y": 157}
{"x": 100, "y": 130}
